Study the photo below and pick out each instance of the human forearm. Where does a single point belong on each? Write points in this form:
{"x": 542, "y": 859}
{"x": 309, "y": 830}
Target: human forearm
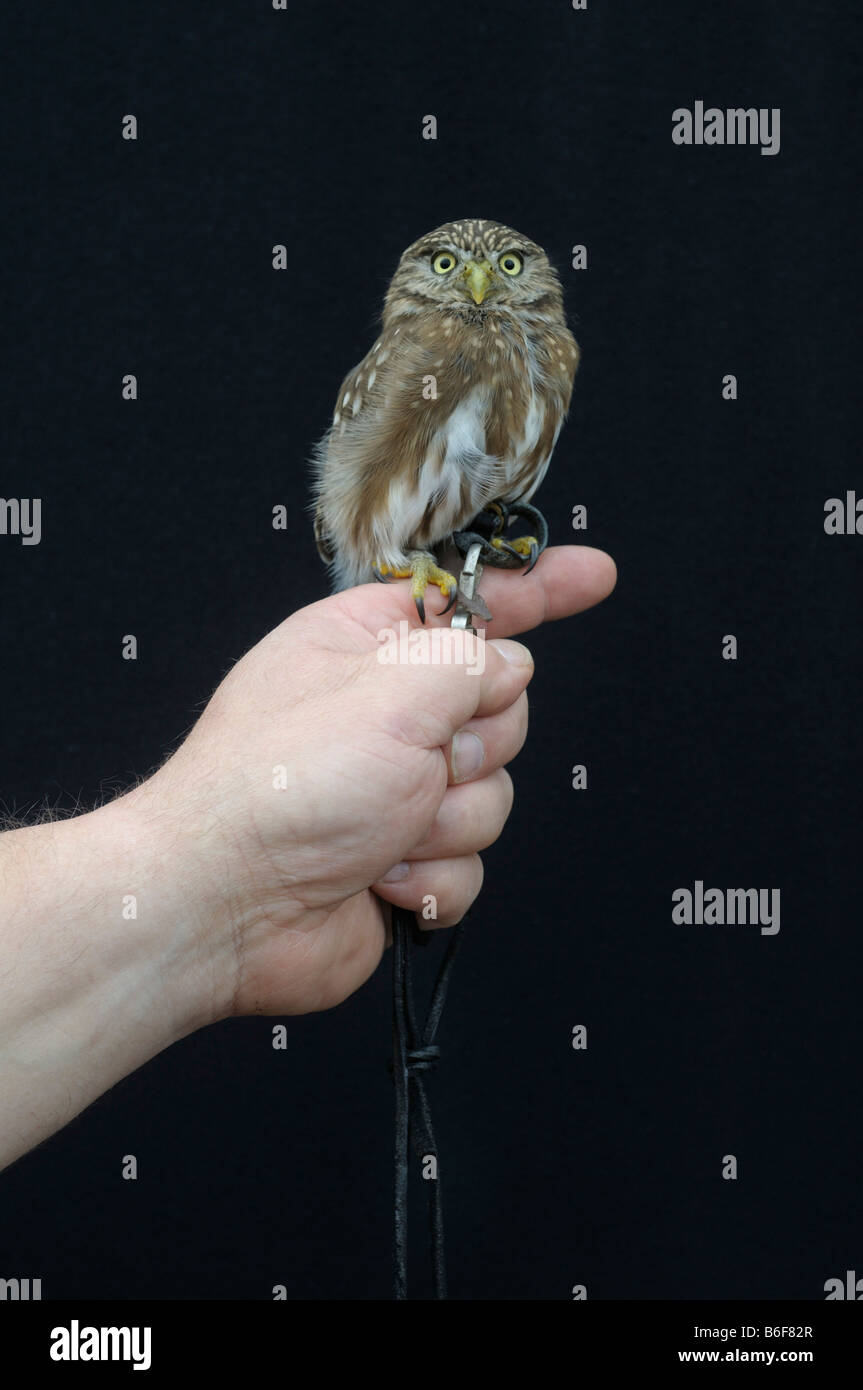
{"x": 92, "y": 984}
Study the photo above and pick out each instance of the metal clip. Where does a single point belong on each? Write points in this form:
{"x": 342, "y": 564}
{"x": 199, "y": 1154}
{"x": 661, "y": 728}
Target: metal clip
{"x": 470, "y": 576}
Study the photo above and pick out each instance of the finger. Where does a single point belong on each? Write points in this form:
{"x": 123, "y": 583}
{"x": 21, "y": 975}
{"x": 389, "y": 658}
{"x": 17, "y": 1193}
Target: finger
{"x": 483, "y": 745}
{"x": 460, "y": 677}
{"x": 471, "y": 818}
{"x": 440, "y": 891}
{"x": 567, "y": 579}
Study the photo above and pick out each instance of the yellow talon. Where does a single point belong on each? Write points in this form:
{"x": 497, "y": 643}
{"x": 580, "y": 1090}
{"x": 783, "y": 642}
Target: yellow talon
{"x": 522, "y": 544}
{"x": 422, "y": 571}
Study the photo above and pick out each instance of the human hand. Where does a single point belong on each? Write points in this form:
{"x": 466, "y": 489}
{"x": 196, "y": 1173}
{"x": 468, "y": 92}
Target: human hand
{"x": 210, "y": 890}
{"x": 293, "y": 876}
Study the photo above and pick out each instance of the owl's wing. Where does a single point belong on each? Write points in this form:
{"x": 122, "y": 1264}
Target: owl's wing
{"x": 404, "y": 462}
{"x": 324, "y": 542}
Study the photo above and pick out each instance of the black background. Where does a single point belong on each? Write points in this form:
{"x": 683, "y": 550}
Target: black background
{"x": 303, "y": 127}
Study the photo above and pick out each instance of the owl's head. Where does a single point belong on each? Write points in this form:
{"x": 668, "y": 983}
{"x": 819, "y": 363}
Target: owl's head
{"x": 476, "y": 264}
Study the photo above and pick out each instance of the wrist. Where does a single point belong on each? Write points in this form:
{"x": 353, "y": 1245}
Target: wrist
{"x": 182, "y": 903}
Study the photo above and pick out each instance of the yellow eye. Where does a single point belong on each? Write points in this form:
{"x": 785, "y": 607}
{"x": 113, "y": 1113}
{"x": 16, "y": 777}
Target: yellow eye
{"x": 511, "y": 264}
{"x": 443, "y": 263}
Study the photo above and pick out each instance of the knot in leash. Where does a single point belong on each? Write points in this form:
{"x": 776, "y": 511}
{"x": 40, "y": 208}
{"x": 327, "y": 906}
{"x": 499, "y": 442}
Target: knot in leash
{"x": 421, "y": 1059}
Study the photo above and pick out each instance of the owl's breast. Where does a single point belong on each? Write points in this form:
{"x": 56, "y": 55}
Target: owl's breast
{"x": 486, "y": 431}
{"x": 457, "y": 475}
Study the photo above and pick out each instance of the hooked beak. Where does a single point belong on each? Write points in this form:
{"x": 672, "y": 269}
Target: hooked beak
{"x": 478, "y": 276}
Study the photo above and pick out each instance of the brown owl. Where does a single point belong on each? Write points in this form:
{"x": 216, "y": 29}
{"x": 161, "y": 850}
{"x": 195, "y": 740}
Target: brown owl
{"x": 458, "y": 406}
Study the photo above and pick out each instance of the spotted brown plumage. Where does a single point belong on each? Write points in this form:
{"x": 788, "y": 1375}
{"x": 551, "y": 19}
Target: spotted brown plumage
{"x": 459, "y": 403}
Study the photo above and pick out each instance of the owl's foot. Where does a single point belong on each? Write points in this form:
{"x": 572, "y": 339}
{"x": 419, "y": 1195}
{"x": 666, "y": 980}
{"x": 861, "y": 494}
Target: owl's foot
{"x": 523, "y": 546}
{"x": 521, "y": 553}
{"x": 423, "y": 570}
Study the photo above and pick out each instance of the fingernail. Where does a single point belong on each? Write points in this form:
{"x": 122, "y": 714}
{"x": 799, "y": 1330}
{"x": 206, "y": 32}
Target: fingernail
{"x": 515, "y": 652}
{"x": 397, "y": 872}
{"x": 468, "y": 754}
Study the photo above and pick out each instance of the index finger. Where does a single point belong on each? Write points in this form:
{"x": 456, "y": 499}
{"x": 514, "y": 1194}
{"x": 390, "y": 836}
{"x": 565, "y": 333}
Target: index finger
{"x": 566, "y": 579}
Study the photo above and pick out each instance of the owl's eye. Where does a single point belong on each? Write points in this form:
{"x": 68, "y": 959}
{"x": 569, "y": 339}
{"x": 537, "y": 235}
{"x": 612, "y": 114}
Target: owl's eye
{"x": 511, "y": 264}
{"x": 443, "y": 263}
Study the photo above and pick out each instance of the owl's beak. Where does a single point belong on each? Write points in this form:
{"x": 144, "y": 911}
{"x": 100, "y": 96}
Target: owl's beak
{"x": 478, "y": 276}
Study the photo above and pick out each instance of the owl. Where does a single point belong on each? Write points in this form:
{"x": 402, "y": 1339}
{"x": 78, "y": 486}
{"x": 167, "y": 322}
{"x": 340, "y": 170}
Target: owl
{"x": 457, "y": 407}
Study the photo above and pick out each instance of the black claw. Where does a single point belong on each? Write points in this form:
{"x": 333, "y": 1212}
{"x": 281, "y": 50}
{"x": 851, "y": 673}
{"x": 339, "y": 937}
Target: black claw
{"x": 421, "y": 607}
{"x": 511, "y": 550}
{"x": 537, "y": 522}
{"x": 534, "y": 556}
{"x": 378, "y": 576}
{"x": 451, "y": 604}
